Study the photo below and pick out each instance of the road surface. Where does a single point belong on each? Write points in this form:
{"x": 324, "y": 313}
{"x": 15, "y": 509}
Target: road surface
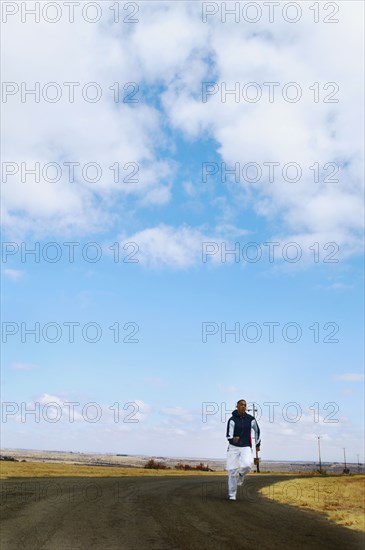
{"x": 162, "y": 513}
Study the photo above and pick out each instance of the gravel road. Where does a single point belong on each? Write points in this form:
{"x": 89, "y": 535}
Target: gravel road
{"x": 162, "y": 513}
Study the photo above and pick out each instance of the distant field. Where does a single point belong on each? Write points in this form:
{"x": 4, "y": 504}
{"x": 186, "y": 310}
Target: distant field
{"x": 39, "y": 469}
{"x": 59, "y": 469}
{"x": 341, "y": 498}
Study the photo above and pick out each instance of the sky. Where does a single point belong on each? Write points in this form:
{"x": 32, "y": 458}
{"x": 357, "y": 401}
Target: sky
{"x": 182, "y": 222}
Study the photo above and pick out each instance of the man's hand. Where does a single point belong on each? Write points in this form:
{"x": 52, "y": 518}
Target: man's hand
{"x": 236, "y": 439}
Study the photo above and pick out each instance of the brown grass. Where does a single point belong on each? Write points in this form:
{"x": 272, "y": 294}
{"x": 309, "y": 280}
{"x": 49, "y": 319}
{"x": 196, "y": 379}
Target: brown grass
{"x": 341, "y": 498}
{"x": 40, "y": 469}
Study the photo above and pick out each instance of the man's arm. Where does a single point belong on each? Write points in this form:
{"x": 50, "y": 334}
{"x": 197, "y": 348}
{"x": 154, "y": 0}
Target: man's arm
{"x": 230, "y": 430}
{"x": 256, "y": 429}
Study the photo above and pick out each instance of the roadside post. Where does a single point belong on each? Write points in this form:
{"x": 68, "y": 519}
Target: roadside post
{"x": 256, "y": 460}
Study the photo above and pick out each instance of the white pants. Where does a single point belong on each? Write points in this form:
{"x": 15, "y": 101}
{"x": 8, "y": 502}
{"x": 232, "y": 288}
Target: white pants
{"x": 239, "y": 459}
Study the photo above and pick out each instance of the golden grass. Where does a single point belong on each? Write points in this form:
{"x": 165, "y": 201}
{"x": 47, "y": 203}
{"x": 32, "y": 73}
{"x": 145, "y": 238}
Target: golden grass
{"x": 341, "y": 498}
{"x": 43, "y": 469}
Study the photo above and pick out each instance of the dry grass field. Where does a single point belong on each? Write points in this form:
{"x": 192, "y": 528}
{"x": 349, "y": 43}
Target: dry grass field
{"x": 341, "y": 498}
{"x": 65, "y": 469}
{"x": 40, "y": 469}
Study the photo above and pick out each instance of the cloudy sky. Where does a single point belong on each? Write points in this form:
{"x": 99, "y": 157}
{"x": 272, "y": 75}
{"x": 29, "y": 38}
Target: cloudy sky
{"x": 182, "y": 219}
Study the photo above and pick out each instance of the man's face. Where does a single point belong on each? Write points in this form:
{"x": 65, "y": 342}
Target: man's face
{"x": 241, "y": 407}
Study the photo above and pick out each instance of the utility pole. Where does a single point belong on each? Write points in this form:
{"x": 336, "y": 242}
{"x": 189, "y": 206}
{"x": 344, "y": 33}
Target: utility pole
{"x": 319, "y": 453}
{"x": 345, "y": 470}
{"x": 257, "y": 459}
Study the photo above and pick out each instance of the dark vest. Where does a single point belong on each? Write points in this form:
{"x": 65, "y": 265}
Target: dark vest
{"x": 242, "y": 428}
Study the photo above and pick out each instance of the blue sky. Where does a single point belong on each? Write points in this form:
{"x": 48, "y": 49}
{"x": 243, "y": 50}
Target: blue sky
{"x": 173, "y": 300}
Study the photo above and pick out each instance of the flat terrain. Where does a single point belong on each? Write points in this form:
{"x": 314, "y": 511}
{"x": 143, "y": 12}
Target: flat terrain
{"x": 38, "y": 469}
{"x": 109, "y": 459}
{"x": 162, "y": 513}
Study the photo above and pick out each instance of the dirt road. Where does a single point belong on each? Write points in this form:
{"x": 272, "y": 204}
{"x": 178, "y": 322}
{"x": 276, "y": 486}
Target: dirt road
{"x": 162, "y": 513}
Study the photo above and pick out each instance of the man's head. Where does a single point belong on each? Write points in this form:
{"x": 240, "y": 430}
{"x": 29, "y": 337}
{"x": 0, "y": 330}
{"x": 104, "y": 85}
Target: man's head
{"x": 241, "y": 406}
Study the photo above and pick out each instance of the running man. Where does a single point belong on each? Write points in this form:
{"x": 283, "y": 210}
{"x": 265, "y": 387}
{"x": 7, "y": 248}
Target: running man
{"x": 239, "y": 452}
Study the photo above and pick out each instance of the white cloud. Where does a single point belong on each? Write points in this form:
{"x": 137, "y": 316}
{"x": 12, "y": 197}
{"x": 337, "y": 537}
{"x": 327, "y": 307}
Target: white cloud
{"x": 179, "y": 431}
{"x": 230, "y": 389}
{"x": 350, "y": 377}
{"x": 141, "y": 410}
{"x": 341, "y": 286}
{"x": 156, "y": 381}
{"x": 172, "y": 48}
{"x": 166, "y": 38}
{"x": 67, "y": 411}
{"x": 305, "y": 132}
{"x": 13, "y": 274}
{"x": 104, "y": 132}
{"x": 47, "y": 398}
{"x": 189, "y": 189}
{"x": 165, "y": 245}
{"x": 177, "y": 414}
{"x": 22, "y": 366}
